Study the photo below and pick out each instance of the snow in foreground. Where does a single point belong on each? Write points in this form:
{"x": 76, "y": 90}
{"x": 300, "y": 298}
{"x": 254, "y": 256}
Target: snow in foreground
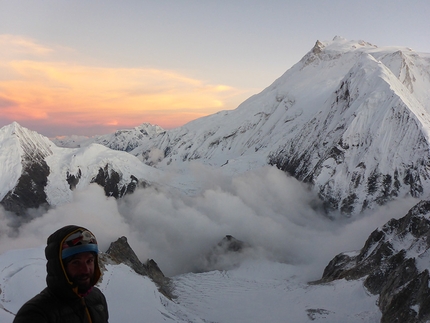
{"x": 256, "y": 291}
{"x": 266, "y": 291}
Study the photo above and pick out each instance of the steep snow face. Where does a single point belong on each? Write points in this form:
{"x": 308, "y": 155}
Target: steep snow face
{"x": 20, "y": 147}
{"x": 412, "y": 70}
{"x": 368, "y": 144}
{"x": 10, "y": 162}
{"x": 32, "y": 144}
{"x": 350, "y": 118}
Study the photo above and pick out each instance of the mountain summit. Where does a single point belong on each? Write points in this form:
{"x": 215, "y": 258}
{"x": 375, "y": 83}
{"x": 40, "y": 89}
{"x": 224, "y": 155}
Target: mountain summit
{"x": 350, "y": 118}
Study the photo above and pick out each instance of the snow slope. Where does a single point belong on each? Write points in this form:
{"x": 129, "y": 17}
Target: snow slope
{"x": 131, "y": 297}
{"x": 254, "y": 292}
{"x": 84, "y": 163}
{"x": 261, "y": 291}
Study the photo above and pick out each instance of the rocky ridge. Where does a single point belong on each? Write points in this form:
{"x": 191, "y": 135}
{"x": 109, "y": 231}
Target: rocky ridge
{"x": 121, "y": 252}
{"x": 394, "y": 264}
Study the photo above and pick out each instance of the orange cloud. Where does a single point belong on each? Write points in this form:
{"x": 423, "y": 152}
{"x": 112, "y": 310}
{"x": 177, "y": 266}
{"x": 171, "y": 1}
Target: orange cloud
{"x": 70, "y": 94}
{"x": 13, "y": 45}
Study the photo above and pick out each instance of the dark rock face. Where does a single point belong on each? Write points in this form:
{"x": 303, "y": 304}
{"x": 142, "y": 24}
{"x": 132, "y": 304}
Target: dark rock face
{"x": 394, "y": 264}
{"x": 163, "y": 282}
{"x": 30, "y": 189}
{"x": 110, "y": 179}
{"x": 73, "y": 180}
{"x": 231, "y": 244}
{"x": 121, "y": 252}
{"x": 225, "y": 254}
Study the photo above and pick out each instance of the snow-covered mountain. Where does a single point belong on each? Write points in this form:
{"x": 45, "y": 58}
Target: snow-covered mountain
{"x": 36, "y": 172}
{"x": 124, "y": 139}
{"x": 350, "y": 118}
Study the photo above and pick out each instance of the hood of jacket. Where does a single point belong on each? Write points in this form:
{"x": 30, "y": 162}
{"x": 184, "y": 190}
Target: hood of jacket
{"x": 56, "y": 278}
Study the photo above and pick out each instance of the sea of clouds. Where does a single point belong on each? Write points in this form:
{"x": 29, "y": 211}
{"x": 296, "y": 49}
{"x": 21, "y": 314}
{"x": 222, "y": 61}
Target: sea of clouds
{"x": 281, "y": 219}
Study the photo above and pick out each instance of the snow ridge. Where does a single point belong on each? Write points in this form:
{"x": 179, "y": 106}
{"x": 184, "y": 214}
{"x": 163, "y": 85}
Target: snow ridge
{"x": 350, "y": 118}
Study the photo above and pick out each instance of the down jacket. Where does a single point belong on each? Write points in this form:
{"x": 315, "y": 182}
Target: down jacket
{"x": 59, "y": 301}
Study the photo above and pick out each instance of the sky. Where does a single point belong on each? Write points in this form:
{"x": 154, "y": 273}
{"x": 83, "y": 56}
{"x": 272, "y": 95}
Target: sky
{"x": 92, "y": 67}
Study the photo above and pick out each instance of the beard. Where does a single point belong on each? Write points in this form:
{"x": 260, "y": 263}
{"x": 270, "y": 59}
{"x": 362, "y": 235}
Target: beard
{"x": 83, "y": 282}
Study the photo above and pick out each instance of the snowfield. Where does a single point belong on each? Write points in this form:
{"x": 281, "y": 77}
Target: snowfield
{"x": 256, "y": 291}
{"x": 262, "y": 291}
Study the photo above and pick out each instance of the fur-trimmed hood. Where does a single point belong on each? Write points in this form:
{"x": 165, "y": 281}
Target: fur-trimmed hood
{"x": 56, "y": 278}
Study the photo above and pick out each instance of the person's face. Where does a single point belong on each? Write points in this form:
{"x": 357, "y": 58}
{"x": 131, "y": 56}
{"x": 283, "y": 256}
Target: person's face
{"x": 80, "y": 270}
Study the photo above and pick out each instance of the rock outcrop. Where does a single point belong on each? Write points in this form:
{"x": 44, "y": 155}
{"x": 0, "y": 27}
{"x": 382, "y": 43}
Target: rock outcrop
{"x": 225, "y": 254}
{"x": 121, "y": 252}
{"x": 394, "y": 264}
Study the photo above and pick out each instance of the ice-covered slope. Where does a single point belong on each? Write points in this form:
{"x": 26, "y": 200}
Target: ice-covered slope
{"x": 350, "y": 118}
{"x": 369, "y": 142}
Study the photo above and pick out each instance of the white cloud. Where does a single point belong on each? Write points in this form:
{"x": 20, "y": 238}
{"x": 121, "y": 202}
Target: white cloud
{"x": 267, "y": 209}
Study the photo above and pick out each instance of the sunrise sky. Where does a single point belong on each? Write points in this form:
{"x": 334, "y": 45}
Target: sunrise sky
{"x": 90, "y": 67}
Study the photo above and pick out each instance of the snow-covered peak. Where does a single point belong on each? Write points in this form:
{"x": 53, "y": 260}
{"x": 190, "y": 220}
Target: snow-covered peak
{"x": 124, "y": 139}
{"x": 150, "y": 129}
{"x": 30, "y": 142}
{"x": 20, "y": 148}
{"x": 341, "y": 93}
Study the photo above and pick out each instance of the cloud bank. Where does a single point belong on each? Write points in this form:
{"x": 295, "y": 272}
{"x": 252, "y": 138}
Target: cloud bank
{"x": 274, "y": 213}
